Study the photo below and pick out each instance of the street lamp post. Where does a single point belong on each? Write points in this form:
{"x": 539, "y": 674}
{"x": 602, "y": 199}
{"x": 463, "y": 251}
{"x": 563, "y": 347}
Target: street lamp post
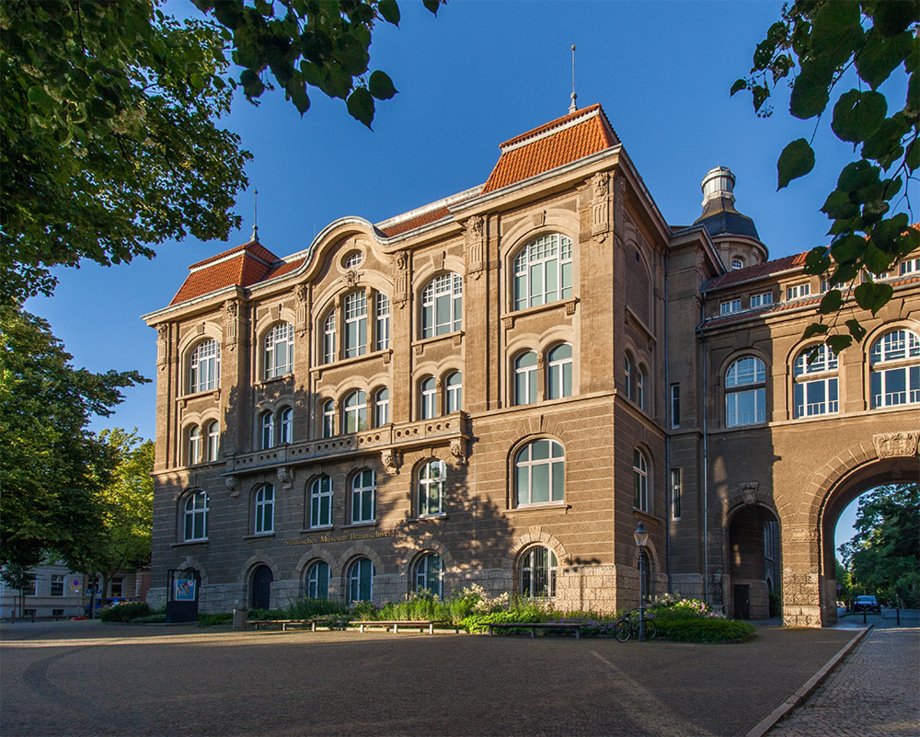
{"x": 641, "y": 541}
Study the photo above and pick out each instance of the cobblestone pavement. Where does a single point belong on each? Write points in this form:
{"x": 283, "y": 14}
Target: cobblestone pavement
{"x": 85, "y": 678}
{"x": 874, "y": 692}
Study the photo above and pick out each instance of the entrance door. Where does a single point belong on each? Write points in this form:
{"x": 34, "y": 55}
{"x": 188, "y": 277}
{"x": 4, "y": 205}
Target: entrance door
{"x": 742, "y": 601}
{"x": 262, "y": 579}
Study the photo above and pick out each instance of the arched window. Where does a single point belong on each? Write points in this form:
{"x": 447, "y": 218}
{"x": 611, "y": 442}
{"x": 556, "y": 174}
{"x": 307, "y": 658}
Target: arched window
{"x": 815, "y": 389}
{"x": 454, "y": 392}
{"x": 354, "y": 412}
{"x": 353, "y": 260}
{"x": 539, "y": 471}
{"x": 640, "y": 386}
{"x": 525, "y": 378}
{"x": 640, "y": 481}
{"x": 285, "y": 425}
{"x": 318, "y": 580}
{"x": 543, "y": 271}
{"x": 204, "y": 367}
{"x": 538, "y": 574}
{"x": 627, "y": 374}
{"x": 428, "y": 396}
{"x": 194, "y": 445}
{"x": 265, "y": 510}
{"x": 329, "y": 338}
{"x": 328, "y": 418}
{"x": 442, "y": 305}
{"x": 432, "y": 478}
{"x": 356, "y": 324}
{"x": 745, "y": 393}
{"x": 895, "y": 369}
{"x": 321, "y": 502}
{"x": 737, "y": 263}
{"x": 279, "y": 350}
{"x": 363, "y": 497}
{"x": 361, "y": 580}
{"x": 559, "y": 378}
{"x": 383, "y": 322}
{"x": 429, "y": 573}
{"x": 382, "y": 407}
{"x": 267, "y": 424}
{"x": 213, "y": 440}
{"x": 195, "y": 517}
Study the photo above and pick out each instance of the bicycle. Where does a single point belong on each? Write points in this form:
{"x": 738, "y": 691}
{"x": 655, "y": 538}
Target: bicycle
{"x": 628, "y": 625}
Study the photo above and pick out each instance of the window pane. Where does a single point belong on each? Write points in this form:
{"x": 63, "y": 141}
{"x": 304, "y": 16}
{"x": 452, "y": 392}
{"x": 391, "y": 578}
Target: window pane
{"x": 540, "y": 481}
{"x": 558, "y": 482}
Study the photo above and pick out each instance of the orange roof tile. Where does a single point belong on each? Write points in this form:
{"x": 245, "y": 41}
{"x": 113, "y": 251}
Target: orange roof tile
{"x": 432, "y": 216}
{"x": 241, "y": 266}
{"x": 757, "y": 271}
{"x": 555, "y": 144}
{"x": 284, "y": 268}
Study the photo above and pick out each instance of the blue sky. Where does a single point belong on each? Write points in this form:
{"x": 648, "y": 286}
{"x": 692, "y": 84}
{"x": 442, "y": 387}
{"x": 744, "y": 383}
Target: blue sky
{"x": 477, "y": 75}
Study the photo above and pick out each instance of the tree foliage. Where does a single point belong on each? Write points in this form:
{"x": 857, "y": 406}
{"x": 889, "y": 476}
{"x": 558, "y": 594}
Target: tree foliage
{"x": 884, "y": 555}
{"x": 51, "y": 466}
{"x": 813, "y": 47}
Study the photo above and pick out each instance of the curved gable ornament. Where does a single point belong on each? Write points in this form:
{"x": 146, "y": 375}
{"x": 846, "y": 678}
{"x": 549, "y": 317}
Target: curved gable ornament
{"x": 895, "y": 444}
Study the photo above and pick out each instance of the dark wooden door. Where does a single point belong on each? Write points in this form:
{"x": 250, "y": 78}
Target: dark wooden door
{"x": 262, "y": 587}
{"x": 742, "y": 601}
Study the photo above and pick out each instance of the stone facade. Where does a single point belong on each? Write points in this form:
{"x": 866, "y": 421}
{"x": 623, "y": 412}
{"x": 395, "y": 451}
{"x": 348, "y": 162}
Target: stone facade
{"x": 610, "y": 354}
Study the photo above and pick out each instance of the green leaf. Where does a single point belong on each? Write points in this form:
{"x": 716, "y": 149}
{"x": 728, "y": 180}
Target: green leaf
{"x": 381, "y": 86}
{"x": 856, "y": 175}
{"x": 312, "y": 73}
{"x": 761, "y": 94}
{"x": 39, "y": 97}
{"x": 818, "y": 260}
{"x": 906, "y": 241}
{"x": 740, "y": 84}
{"x": 252, "y": 85}
{"x": 875, "y": 259}
{"x": 796, "y": 160}
{"x": 892, "y": 17}
{"x": 360, "y": 105}
{"x": 913, "y": 156}
{"x": 872, "y": 296}
{"x": 831, "y": 302}
{"x": 389, "y": 11}
{"x": 432, "y": 5}
{"x": 848, "y": 249}
{"x": 857, "y": 115}
{"x": 816, "y": 328}
{"x": 839, "y": 343}
{"x": 880, "y": 56}
{"x": 838, "y": 205}
{"x": 856, "y": 330}
{"x": 884, "y": 145}
{"x": 811, "y": 91}
{"x": 836, "y": 31}
{"x": 298, "y": 95}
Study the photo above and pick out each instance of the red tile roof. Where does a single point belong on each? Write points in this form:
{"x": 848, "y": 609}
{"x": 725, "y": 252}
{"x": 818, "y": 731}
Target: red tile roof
{"x": 432, "y": 216}
{"x": 241, "y": 266}
{"x": 555, "y": 144}
{"x": 757, "y": 271}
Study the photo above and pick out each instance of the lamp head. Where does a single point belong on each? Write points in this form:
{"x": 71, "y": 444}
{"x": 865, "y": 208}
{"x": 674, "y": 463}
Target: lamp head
{"x": 641, "y": 535}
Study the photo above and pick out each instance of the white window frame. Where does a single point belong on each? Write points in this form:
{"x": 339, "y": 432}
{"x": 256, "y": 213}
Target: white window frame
{"x": 909, "y": 266}
{"x": 354, "y": 412}
{"x": 454, "y": 393}
{"x": 361, "y": 575}
{"x": 194, "y": 445}
{"x": 320, "y": 510}
{"x": 429, "y": 574}
{"x": 285, "y": 425}
{"x": 675, "y": 406}
{"x": 212, "y": 440}
{"x": 737, "y": 264}
{"x": 364, "y": 497}
{"x": 382, "y": 326}
{"x": 428, "y": 398}
{"x": 328, "y": 419}
{"x": 894, "y": 360}
{"x": 355, "y": 310}
{"x": 382, "y": 407}
{"x": 526, "y": 379}
{"x": 627, "y": 373}
{"x": 353, "y": 260}
{"x": 762, "y": 300}
{"x": 542, "y": 272}
{"x": 267, "y": 429}
{"x": 745, "y": 380}
{"x": 443, "y": 292}
{"x": 529, "y": 471}
{"x": 641, "y": 500}
{"x": 57, "y": 584}
{"x": 204, "y": 367}
{"x": 559, "y": 376}
{"x": 264, "y": 510}
{"x": 676, "y": 492}
{"x": 329, "y": 354}
{"x": 730, "y": 306}
{"x": 432, "y": 483}
{"x": 538, "y": 569}
{"x": 279, "y": 351}
{"x": 819, "y": 377}
{"x": 196, "y": 507}
{"x": 797, "y": 291}
{"x": 641, "y": 375}
{"x": 318, "y": 580}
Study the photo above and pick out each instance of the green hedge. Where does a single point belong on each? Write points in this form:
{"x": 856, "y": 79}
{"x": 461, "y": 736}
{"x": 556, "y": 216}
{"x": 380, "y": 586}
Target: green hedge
{"x": 152, "y": 619}
{"x": 209, "y": 620}
{"x": 481, "y": 622}
{"x": 125, "y": 612}
{"x": 703, "y": 630}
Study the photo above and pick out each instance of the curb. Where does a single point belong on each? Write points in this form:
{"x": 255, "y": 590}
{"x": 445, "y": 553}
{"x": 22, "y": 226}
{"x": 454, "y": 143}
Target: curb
{"x": 802, "y": 695}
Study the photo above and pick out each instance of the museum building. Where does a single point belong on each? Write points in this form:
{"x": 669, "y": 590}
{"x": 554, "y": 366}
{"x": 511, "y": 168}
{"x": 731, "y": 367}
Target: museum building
{"x": 496, "y": 388}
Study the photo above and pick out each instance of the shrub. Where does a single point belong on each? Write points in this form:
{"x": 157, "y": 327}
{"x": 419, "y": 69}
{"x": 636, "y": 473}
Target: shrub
{"x": 776, "y": 603}
{"x": 591, "y": 625}
{"x": 308, "y": 608}
{"x": 209, "y": 620}
{"x": 125, "y": 612}
{"x": 151, "y": 619}
{"x": 703, "y": 630}
{"x": 262, "y": 614}
{"x": 420, "y": 605}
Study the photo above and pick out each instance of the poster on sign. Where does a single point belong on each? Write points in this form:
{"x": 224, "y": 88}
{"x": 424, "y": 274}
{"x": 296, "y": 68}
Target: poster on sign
{"x": 185, "y": 589}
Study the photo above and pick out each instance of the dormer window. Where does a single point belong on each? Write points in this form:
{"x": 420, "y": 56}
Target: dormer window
{"x": 737, "y": 263}
{"x": 798, "y": 290}
{"x": 761, "y": 300}
{"x": 733, "y": 305}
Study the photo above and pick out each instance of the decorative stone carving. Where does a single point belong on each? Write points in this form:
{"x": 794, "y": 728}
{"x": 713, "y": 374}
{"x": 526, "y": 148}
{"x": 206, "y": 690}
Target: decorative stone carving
{"x": 232, "y": 308}
{"x": 749, "y": 491}
{"x": 162, "y": 343}
{"x": 906, "y": 443}
{"x": 541, "y": 362}
{"x": 302, "y": 310}
{"x": 300, "y": 292}
{"x": 390, "y": 460}
{"x": 401, "y": 280}
{"x": 286, "y": 478}
{"x": 600, "y": 222}
{"x": 233, "y": 485}
{"x": 475, "y": 245}
{"x": 230, "y": 324}
{"x": 458, "y": 450}
{"x": 601, "y": 183}
{"x": 352, "y": 278}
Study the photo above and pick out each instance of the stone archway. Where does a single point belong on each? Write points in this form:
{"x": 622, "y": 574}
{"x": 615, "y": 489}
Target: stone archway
{"x": 753, "y": 561}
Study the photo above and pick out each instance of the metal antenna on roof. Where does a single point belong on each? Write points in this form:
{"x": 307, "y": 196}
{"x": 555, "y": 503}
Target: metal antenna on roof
{"x": 573, "y": 107}
{"x": 255, "y": 219}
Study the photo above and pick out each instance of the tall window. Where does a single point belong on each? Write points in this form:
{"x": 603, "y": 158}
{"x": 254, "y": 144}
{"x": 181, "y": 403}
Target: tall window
{"x": 213, "y": 440}
{"x": 321, "y": 502}
{"x": 910, "y": 266}
{"x": 540, "y": 473}
{"x": 318, "y": 580}
{"x": 194, "y": 445}
{"x": 676, "y": 489}
{"x": 382, "y": 407}
{"x": 279, "y": 350}
{"x": 361, "y": 580}
{"x": 745, "y": 393}
{"x": 355, "y": 412}
{"x": 895, "y": 369}
{"x": 196, "y": 517}
{"x": 286, "y": 425}
{"x": 627, "y": 374}
{"x": 329, "y": 338}
{"x": 525, "y": 378}
{"x": 675, "y": 405}
{"x": 538, "y": 574}
{"x": 432, "y": 479}
{"x": 57, "y": 584}
{"x": 356, "y": 324}
{"x": 267, "y": 421}
{"x": 815, "y": 390}
{"x": 204, "y": 367}
{"x": 428, "y": 394}
{"x": 442, "y": 305}
{"x": 559, "y": 379}
{"x": 429, "y": 573}
{"x": 383, "y": 322}
{"x": 640, "y": 481}
{"x": 454, "y": 392}
{"x": 363, "y": 496}
{"x": 640, "y": 386}
{"x": 328, "y": 418}
{"x": 265, "y": 510}
{"x": 543, "y": 271}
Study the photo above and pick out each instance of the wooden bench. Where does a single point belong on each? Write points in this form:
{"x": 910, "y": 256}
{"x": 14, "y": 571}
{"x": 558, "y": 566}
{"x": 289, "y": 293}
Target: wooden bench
{"x": 396, "y": 624}
{"x": 285, "y": 623}
{"x": 534, "y": 626}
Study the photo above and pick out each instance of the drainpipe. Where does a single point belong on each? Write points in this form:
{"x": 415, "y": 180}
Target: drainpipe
{"x": 705, "y": 461}
{"x": 667, "y": 423}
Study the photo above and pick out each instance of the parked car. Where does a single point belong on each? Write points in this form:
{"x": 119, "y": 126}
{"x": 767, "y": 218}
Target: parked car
{"x": 866, "y": 604}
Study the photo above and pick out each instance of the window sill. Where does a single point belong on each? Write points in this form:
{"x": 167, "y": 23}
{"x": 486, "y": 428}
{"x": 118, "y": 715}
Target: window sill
{"x": 647, "y": 516}
{"x": 274, "y": 380}
{"x": 189, "y": 542}
{"x": 421, "y": 342}
{"x": 426, "y": 517}
{"x": 198, "y": 395}
{"x": 371, "y": 523}
{"x": 323, "y": 528}
{"x": 260, "y": 536}
{"x": 338, "y": 363}
{"x": 531, "y": 509}
{"x": 568, "y": 303}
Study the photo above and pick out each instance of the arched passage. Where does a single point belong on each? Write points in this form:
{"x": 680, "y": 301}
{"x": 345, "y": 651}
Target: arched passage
{"x": 260, "y": 588}
{"x": 754, "y": 566}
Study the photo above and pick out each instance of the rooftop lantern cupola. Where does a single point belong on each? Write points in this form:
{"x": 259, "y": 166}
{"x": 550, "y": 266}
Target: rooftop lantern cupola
{"x": 733, "y": 233}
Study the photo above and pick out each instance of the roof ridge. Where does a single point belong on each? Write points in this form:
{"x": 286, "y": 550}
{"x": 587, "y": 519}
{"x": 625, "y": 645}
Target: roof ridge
{"x": 579, "y": 116}
{"x": 444, "y": 202}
